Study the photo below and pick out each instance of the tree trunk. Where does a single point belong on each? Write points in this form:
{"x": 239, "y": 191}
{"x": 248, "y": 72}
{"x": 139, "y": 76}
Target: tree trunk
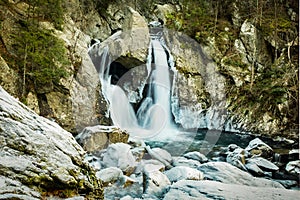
{"x": 24, "y": 72}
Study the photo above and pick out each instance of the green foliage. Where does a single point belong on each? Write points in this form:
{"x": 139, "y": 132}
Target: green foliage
{"x": 42, "y": 54}
{"x": 274, "y": 92}
{"x": 200, "y": 18}
{"x": 194, "y": 19}
{"x": 50, "y": 10}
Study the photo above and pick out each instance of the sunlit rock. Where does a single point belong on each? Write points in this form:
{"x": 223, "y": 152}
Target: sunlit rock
{"x": 119, "y": 155}
{"x": 183, "y": 173}
{"x": 258, "y": 148}
{"x": 207, "y": 189}
{"x": 195, "y": 155}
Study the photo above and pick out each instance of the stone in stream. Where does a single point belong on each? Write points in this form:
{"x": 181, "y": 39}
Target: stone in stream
{"x": 147, "y": 165}
{"x": 109, "y": 175}
{"x": 237, "y": 158}
{"x": 119, "y": 155}
{"x": 206, "y": 189}
{"x": 287, "y": 183}
{"x": 156, "y": 183}
{"x": 254, "y": 169}
{"x": 182, "y": 161}
{"x": 161, "y": 155}
{"x": 183, "y": 173}
{"x": 294, "y": 154}
{"x": 293, "y": 167}
{"x": 13, "y": 189}
{"x": 93, "y": 161}
{"x": 227, "y": 173}
{"x": 232, "y": 147}
{"x": 195, "y": 155}
{"x": 126, "y": 186}
{"x": 258, "y": 148}
{"x": 264, "y": 164}
{"x": 95, "y": 138}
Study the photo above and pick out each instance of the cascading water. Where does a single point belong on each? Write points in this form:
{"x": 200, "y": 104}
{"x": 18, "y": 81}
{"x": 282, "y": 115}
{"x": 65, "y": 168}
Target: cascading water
{"x": 153, "y": 119}
{"x": 154, "y": 113}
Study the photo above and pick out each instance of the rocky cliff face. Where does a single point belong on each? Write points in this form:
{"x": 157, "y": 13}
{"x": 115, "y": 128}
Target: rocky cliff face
{"x": 74, "y": 102}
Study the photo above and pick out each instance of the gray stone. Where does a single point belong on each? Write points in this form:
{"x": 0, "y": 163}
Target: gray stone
{"x": 161, "y": 155}
{"x": 133, "y": 40}
{"x": 182, "y": 161}
{"x": 258, "y": 148}
{"x": 119, "y": 155}
{"x": 183, "y": 173}
{"x": 195, "y": 155}
{"x": 127, "y": 197}
{"x": 255, "y": 45}
{"x": 232, "y": 147}
{"x": 109, "y": 175}
{"x": 263, "y": 164}
{"x": 293, "y": 167}
{"x": 127, "y": 186}
{"x": 95, "y": 138}
{"x": 93, "y": 161}
{"x": 287, "y": 183}
{"x": 237, "y": 158}
{"x": 163, "y": 11}
{"x": 9, "y": 79}
{"x": 227, "y": 173}
{"x": 14, "y": 189}
{"x": 148, "y": 165}
{"x": 198, "y": 190}
{"x": 198, "y": 79}
{"x": 138, "y": 152}
{"x": 156, "y": 182}
{"x": 254, "y": 169}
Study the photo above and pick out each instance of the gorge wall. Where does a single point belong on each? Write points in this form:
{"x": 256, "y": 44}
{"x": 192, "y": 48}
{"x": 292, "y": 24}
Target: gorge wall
{"x": 233, "y": 67}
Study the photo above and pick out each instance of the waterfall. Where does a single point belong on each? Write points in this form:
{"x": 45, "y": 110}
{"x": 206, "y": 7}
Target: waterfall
{"x": 154, "y": 113}
{"x": 161, "y": 82}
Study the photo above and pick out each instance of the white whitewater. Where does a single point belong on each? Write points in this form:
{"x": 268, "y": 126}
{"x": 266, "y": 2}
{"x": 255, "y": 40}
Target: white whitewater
{"x": 154, "y": 115}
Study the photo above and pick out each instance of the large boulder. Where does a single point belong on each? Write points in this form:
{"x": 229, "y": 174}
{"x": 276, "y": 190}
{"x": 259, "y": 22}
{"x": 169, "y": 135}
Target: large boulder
{"x": 132, "y": 39}
{"x": 263, "y": 164}
{"x": 195, "y": 190}
{"x": 258, "y": 148}
{"x": 119, "y": 155}
{"x": 95, "y": 138}
{"x": 226, "y": 173}
{"x": 38, "y": 154}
